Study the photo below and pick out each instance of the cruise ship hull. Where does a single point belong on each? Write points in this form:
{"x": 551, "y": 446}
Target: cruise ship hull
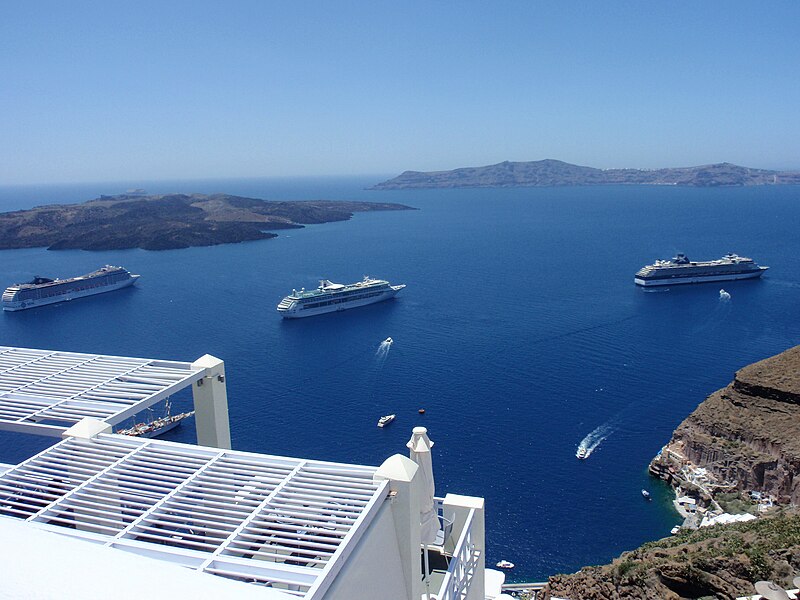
{"x": 297, "y": 313}
{"x": 26, "y": 304}
{"x": 698, "y": 278}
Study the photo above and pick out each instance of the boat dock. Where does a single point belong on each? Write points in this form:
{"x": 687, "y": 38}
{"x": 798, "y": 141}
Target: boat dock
{"x": 527, "y": 591}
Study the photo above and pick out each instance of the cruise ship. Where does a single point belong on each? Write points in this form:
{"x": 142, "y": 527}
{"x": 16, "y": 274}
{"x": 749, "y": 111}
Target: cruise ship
{"x": 43, "y": 291}
{"x": 331, "y": 297}
{"x": 682, "y": 270}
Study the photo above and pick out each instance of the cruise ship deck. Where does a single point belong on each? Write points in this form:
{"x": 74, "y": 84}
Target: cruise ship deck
{"x": 289, "y": 527}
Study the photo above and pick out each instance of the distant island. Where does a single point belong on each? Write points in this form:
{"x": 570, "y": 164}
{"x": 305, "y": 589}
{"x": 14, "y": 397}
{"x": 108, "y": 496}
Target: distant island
{"x": 169, "y": 221}
{"x": 546, "y": 173}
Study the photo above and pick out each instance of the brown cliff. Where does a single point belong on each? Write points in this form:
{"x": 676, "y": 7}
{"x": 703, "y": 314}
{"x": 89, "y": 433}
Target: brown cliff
{"x": 713, "y": 562}
{"x": 746, "y": 435}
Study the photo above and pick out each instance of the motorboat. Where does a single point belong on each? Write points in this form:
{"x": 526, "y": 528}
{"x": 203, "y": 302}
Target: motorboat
{"x": 504, "y": 564}
{"x": 385, "y": 420}
{"x": 646, "y": 495}
{"x": 582, "y": 453}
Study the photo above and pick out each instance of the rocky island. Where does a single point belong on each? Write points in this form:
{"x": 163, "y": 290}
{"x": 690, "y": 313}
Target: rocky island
{"x": 546, "y": 173}
{"x": 169, "y": 221}
{"x": 739, "y": 451}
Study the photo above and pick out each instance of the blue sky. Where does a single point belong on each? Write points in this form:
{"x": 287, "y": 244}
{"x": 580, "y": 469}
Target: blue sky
{"x": 110, "y": 91}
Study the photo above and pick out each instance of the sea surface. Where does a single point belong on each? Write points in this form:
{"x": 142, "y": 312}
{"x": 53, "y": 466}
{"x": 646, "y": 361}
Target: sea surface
{"x": 520, "y": 332}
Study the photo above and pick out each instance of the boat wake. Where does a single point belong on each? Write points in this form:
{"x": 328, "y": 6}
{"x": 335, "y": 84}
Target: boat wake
{"x": 717, "y": 316}
{"x": 383, "y": 349}
{"x": 590, "y": 443}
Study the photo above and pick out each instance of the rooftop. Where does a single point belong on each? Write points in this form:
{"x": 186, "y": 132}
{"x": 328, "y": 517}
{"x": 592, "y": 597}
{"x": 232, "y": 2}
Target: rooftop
{"x": 266, "y": 519}
{"x": 298, "y": 527}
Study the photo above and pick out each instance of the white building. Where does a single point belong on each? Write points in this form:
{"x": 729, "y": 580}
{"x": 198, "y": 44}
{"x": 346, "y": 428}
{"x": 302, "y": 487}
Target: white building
{"x": 104, "y": 515}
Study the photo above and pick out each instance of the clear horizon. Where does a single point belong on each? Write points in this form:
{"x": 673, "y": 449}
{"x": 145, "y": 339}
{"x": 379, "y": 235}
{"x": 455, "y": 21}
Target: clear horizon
{"x": 196, "y": 90}
{"x": 377, "y": 177}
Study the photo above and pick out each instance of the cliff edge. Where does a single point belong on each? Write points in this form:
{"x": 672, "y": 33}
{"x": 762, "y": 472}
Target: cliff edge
{"x": 745, "y": 436}
{"x": 720, "y": 562}
{"x": 743, "y": 441}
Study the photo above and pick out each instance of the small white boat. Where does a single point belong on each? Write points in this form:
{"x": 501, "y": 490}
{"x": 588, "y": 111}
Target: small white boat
{"x": 388, "y": 341}
{"x": 582, "y": 454}
{"x": 385, "y": 420}
{"x": 645, "y": 494}
{"x": 675, "y": 530}
{"x": 504, "y": 564}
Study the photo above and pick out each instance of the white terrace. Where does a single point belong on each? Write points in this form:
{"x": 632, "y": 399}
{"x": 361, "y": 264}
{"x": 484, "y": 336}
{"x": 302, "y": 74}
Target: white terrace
{"x": 288, "y": 527}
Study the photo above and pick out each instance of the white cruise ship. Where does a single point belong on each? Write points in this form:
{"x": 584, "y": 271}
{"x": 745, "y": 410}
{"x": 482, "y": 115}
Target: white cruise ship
{"x": 43, "y": 291}
{"x": 681, "y": 270}
{"x": 332, "y": 297}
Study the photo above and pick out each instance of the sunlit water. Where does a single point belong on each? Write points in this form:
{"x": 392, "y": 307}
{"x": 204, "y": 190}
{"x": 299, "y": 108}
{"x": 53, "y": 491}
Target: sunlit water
{"x": 520, "y": 333}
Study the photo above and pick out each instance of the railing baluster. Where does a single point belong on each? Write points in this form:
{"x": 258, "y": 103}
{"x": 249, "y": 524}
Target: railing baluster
{"x": 455, "y": 585}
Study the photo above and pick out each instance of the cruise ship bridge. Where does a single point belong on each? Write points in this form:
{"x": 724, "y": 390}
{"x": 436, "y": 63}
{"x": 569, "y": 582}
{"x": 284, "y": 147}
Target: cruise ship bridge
{"x": 205, "y": 519}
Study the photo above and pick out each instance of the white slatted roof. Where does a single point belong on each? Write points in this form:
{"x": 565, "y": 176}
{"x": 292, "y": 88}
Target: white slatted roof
{"x": 45, "y": 392}
{"x": 281, "y": 522}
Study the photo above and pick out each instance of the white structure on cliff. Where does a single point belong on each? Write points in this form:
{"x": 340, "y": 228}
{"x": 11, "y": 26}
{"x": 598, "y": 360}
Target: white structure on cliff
{"x": 100, "y": 514}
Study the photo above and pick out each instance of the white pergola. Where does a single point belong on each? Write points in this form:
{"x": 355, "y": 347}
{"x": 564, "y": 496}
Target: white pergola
{"x": 286, "y": 523}
{"x": 45, "y": 392}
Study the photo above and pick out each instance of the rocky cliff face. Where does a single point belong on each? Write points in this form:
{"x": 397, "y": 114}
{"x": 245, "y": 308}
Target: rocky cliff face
{"x": 747, "y": 435}
{"x": 743, "y": 437}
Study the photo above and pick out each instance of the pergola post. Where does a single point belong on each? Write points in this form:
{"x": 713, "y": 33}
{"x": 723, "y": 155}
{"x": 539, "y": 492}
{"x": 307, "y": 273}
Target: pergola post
{"x": 211, "y": 404}
{"x": 404, "y": 490}
{"x": 89, "y": 428}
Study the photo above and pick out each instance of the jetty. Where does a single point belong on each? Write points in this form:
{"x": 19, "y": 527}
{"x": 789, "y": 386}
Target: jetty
{"x": 527, "y": 591}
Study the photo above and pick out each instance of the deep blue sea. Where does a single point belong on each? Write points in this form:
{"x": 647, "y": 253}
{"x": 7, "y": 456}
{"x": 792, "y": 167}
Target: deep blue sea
{"x": 520, "y": 332}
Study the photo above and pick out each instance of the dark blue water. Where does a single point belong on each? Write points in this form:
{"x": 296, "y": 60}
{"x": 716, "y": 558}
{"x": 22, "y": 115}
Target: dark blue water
{"x": 520, "y": 332}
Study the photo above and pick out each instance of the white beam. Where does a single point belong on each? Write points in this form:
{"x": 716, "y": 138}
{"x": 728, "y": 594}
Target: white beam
{"x": 211, "y": 404}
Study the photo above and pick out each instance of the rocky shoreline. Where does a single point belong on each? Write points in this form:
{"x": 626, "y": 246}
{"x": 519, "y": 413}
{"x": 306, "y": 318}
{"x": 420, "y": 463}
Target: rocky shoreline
{"x": 168, "y": 221}
{"x": 737, "y": 456}
{"x": 743, "y": 438}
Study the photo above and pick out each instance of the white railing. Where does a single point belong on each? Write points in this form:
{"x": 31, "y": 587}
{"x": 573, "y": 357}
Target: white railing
{"x": 461, "y": 571}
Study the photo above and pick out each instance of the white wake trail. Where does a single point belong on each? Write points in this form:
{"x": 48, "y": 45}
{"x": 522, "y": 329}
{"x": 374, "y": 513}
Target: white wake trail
{"x": 590, "y": 443}
{"x": 383, "y": 349}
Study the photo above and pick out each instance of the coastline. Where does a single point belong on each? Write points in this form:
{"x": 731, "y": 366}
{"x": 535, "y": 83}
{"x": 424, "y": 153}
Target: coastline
{"x": 432, "y": 342}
